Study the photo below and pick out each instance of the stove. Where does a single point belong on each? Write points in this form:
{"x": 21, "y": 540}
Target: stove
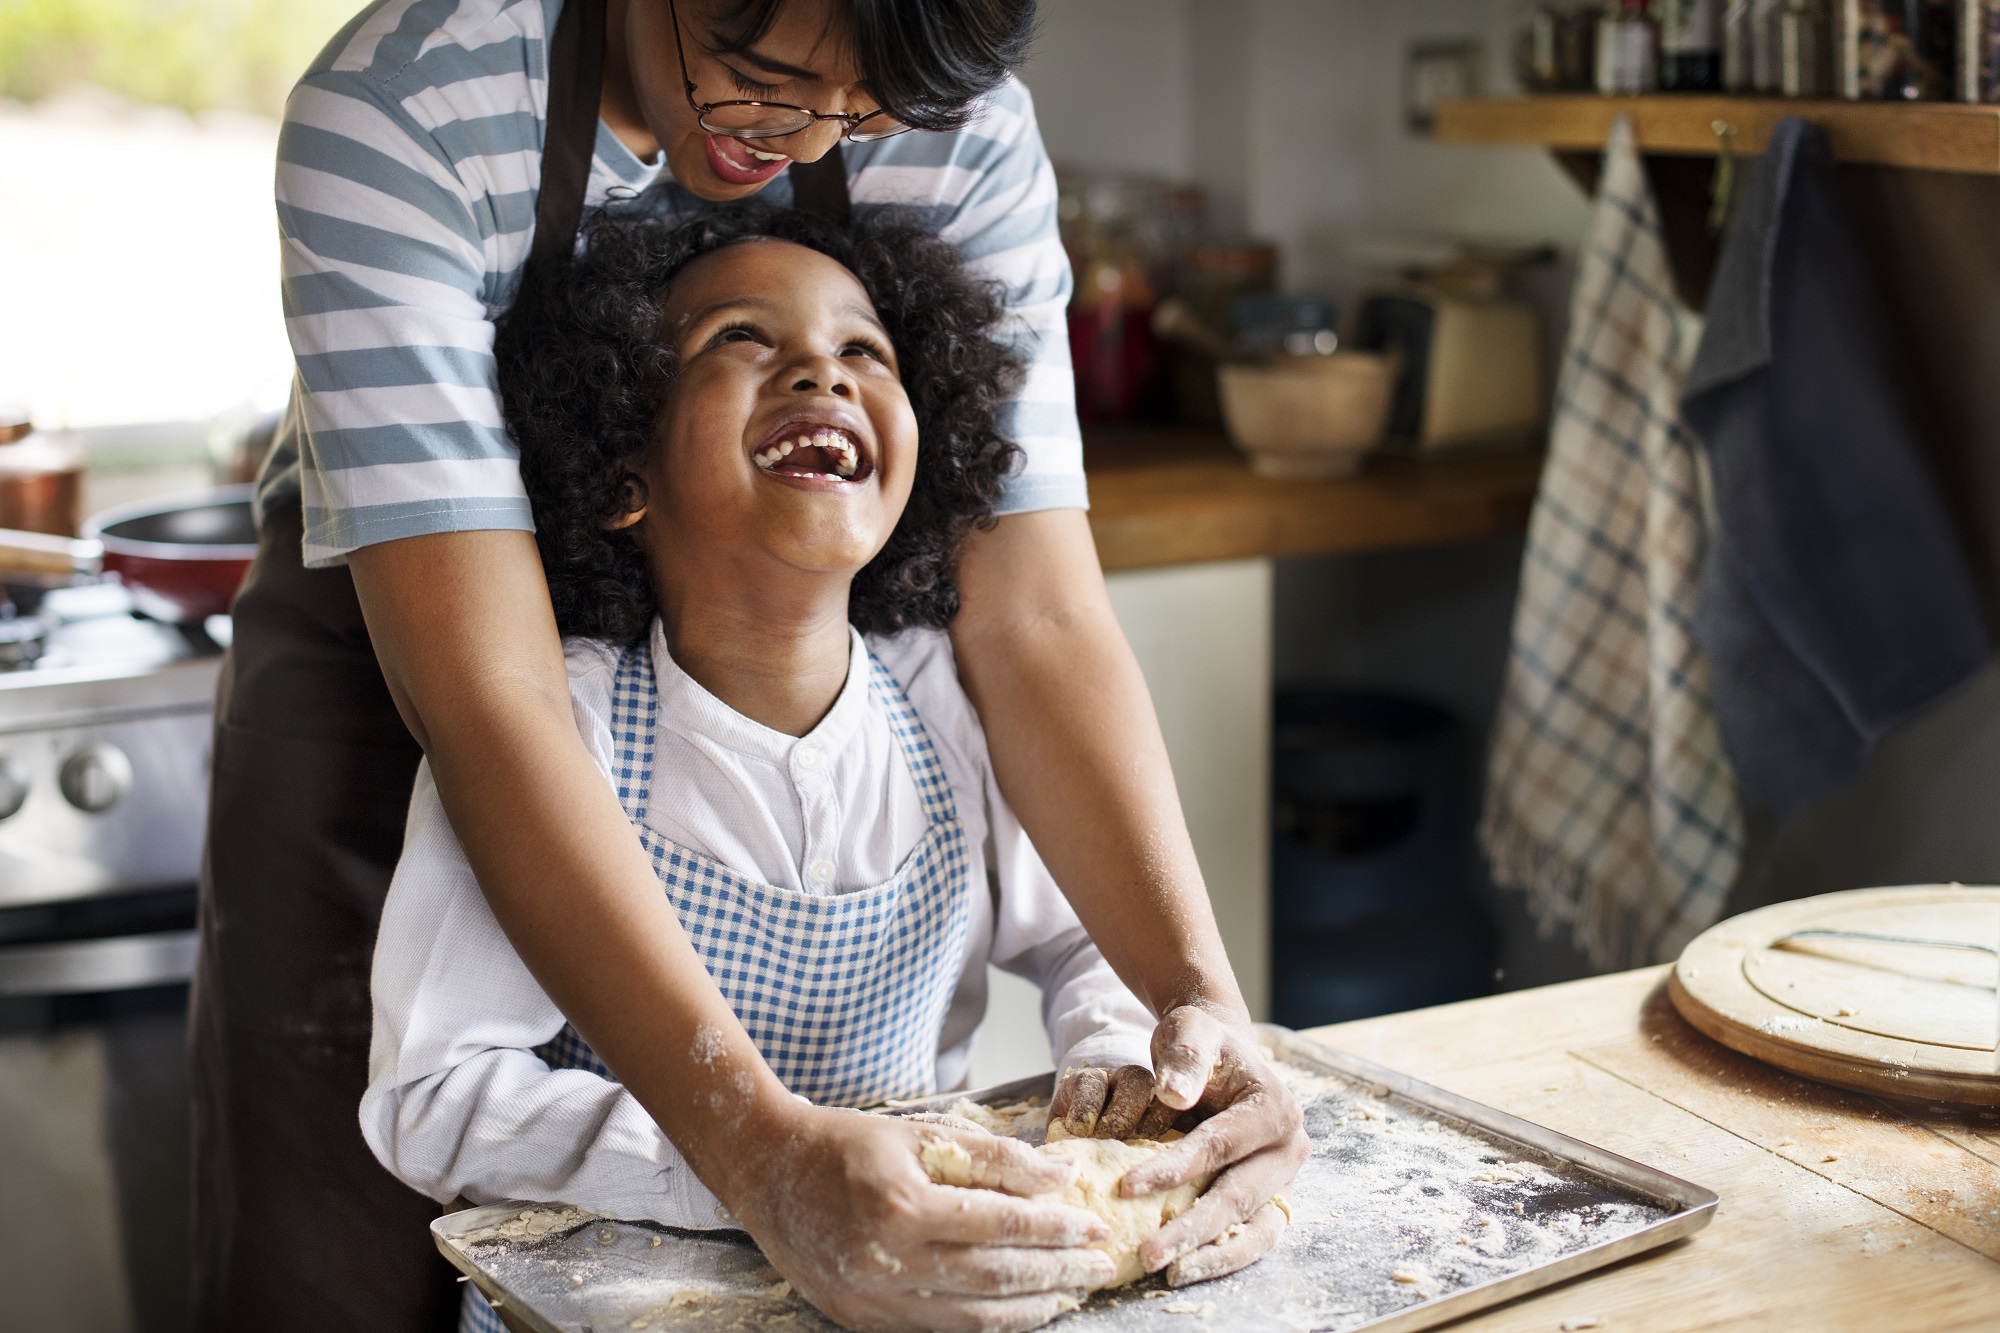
{"x": 104, "y": 751}
{"x": 104, "y": 747}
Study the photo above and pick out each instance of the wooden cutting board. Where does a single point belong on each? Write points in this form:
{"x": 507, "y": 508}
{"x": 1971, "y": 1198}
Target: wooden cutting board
{"x": 1853, "y": 989}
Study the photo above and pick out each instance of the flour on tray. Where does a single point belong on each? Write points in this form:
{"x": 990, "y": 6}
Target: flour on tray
{"x": 1399, "y": 1205}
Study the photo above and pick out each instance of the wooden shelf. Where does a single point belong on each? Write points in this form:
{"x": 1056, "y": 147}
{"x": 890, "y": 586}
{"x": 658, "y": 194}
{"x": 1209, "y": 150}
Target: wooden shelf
{"x": 1932, "y": 136}
{"x": 1173, "y": 496}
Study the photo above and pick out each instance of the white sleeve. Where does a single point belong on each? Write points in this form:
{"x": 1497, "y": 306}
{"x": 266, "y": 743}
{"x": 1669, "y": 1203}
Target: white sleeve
{"x": 1091, "y": 1017}
{"x": 458, "y": 1104}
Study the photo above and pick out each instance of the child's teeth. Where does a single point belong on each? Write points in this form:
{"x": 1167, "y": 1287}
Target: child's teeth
{"x": 785, "y": 449}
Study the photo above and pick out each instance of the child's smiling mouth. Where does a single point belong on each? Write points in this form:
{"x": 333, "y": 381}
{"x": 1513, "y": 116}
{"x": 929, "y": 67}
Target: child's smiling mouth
{"x": 814, "y": 452}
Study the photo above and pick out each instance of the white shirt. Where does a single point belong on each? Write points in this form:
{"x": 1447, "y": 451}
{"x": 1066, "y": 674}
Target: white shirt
{"x": 457, "y": 1102}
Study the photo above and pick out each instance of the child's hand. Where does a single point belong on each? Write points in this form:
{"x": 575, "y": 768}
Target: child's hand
{"x": 1110, "y": 1104}
{"x": 843, "y": 1208}
{"x": 1254, "y": 1135}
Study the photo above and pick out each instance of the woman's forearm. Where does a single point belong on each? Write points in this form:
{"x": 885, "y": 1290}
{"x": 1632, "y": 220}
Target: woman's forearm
{"x": 462, "y": 625}
{"x": 1079, "y": 755}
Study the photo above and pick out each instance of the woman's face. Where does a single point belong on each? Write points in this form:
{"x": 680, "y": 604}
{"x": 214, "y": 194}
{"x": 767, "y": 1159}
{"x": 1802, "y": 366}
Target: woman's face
{"x": 787, "y": 435}
{"x": 804, "y": 59}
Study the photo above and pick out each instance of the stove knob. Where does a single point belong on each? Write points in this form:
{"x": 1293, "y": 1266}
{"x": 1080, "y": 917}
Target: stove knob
{"x": 13, "y": 787}
{"x": 96, "y": 777}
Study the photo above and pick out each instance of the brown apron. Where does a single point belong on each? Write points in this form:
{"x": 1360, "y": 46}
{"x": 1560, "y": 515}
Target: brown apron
{"x": 296, "y": 1225}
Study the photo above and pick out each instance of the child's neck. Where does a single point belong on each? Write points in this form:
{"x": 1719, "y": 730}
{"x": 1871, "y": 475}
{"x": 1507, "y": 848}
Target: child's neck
{"x": 778, "y": 656}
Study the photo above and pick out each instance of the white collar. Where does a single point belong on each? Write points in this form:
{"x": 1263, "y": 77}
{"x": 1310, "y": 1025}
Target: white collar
{"x": 688, "y": 710}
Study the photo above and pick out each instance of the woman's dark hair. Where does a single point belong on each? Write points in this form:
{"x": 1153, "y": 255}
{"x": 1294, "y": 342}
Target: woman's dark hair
{"x": 925, "y": 60}
{"x": 583, "y": 378}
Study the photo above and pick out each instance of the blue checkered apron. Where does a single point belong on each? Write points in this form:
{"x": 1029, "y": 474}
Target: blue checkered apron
{"x": 845, "y": 994}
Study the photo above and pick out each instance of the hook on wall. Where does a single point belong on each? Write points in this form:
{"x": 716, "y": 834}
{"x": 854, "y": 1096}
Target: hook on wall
{"x": 1724, "y": 184}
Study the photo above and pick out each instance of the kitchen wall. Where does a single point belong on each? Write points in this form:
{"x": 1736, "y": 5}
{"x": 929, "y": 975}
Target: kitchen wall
{"x": 1289, "y": 113}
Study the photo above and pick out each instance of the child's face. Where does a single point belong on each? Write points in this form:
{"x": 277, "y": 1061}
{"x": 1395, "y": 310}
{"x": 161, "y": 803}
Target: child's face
{"x": 787, "y": 434}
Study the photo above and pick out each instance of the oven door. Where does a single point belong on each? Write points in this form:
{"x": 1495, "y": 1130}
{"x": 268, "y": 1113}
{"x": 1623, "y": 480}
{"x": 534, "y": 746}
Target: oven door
{"x": 94, "y": 1112}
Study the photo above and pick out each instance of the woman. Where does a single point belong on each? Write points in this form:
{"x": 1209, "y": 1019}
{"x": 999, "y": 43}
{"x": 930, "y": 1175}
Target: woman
{"x": 433, "y": 145}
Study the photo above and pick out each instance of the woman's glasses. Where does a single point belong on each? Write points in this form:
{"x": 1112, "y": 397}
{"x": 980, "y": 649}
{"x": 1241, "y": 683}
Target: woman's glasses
{"x": 768, "y": 120}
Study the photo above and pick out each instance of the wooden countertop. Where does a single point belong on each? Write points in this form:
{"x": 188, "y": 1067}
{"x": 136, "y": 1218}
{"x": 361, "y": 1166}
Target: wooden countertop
{"x": 1839, "y": 1212}
{"x": 1935, "y": 136}
{"x": 1172, "y": 496}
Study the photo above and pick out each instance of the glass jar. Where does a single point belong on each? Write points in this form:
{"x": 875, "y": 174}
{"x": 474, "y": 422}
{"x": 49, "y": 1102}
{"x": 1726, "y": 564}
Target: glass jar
{"x": 1690, "y": 46}
{"x": 1805, "y": 49}
{"x": 1628, "y": 49}
{"x": 1979, "y": 51}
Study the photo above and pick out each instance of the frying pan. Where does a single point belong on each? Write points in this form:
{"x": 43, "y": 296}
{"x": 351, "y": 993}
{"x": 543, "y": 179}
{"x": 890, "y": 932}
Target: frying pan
{"x": 190, "y": 552}
{"x": 184, "y": 556}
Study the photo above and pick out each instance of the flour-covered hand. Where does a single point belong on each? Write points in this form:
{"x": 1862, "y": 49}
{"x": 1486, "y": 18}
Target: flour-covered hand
{"x": 844, "y": 1209}
{"x": 1110, "y": 1104}
{"x": 1253, "y": 1133}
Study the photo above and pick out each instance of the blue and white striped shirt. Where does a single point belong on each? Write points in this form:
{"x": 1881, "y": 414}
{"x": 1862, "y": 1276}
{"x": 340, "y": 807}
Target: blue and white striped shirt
{"x": 408, "y": 168}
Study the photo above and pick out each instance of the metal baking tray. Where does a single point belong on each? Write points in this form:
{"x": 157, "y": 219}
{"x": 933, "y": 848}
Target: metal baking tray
{"x": 1416, "y": 1208}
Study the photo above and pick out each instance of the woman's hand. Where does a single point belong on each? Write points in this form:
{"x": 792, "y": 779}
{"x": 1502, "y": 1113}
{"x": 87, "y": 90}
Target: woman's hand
{"x": 1254, "y": 1135}
{"x": 843, "y": 1208}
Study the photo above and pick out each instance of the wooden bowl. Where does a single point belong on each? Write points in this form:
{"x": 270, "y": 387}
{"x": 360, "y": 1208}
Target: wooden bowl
{"x": 1308, "y": 416}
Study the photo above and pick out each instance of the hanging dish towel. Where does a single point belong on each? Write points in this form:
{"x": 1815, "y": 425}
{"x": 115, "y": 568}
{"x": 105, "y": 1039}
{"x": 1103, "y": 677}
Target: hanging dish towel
{"x": 1836, "y": 604}
{"x": 1609, "y": 803}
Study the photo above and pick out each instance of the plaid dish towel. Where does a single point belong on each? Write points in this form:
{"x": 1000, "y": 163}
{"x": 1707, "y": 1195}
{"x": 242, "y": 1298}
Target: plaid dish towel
{"x": 1609, "y": 801}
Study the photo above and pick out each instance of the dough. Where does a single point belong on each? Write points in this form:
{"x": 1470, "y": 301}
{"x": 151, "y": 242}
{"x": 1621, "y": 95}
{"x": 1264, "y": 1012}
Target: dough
{"x": 1102, "y": 1163}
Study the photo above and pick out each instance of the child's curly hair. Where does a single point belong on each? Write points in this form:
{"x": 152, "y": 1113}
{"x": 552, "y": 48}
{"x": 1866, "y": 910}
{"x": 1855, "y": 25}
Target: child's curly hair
{"x": 583, "y": 378}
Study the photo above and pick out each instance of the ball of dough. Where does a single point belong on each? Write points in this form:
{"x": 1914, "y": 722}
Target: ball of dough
{"x": 1101, "y": 1164}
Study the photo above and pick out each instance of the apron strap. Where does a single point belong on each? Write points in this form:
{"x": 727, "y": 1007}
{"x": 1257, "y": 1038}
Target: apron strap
{"x": 820, "y": 188}
{"x": 926, "y": 767}
{"x": 635, "y": 713}
{"x": 576, "y": 74}
{"x": 576, "y": 78}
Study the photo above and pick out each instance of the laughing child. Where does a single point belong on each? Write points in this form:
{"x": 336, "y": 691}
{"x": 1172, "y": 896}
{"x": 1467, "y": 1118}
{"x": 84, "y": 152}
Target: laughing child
{"x": 753, "y": 446}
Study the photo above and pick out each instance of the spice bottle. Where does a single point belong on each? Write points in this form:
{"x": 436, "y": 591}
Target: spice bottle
{"x": 1979, "y": 51}
{"x": 1805, "y": 49}
{"x": 1690, "y": 45}
{"x": 1628, "y": 49}
{"x": 1739, "y": 74}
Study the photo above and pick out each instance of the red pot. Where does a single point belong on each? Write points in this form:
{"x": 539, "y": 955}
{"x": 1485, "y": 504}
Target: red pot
{"x": 184, "y": 556}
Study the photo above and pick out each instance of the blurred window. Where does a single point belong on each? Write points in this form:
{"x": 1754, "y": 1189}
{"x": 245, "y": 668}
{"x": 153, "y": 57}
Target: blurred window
{"x": 138, "y": 246}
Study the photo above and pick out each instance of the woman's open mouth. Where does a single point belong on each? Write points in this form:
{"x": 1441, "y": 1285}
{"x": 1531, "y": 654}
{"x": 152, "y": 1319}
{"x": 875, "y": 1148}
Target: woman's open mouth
{"x": 814, "y": 453}
{"x": 737, "y": 162}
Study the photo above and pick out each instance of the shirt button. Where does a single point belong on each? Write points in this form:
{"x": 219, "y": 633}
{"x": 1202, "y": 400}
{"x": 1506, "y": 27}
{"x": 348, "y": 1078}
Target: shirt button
{"x": 821, "y": 872}
{"x": 808, "y": 757}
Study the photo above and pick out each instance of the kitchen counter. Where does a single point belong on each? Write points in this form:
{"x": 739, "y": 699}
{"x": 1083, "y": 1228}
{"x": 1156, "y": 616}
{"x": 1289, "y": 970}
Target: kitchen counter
{"x": 1171, "y": 496}
{"x": 1839, "y": 1212}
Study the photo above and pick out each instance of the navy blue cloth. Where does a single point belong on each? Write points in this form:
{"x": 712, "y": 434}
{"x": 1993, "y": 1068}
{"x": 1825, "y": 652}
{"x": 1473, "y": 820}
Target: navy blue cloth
{"x": 1835, "y": 600}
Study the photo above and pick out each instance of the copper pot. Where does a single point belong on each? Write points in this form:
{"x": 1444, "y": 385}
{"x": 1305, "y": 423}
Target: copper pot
{"x": 41, "y": 481}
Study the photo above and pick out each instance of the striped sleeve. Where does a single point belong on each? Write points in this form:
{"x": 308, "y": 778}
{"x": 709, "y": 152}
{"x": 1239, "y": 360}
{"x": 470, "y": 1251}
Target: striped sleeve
{"x": 386, "y": 252}
{"x": 990, "y": 190}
